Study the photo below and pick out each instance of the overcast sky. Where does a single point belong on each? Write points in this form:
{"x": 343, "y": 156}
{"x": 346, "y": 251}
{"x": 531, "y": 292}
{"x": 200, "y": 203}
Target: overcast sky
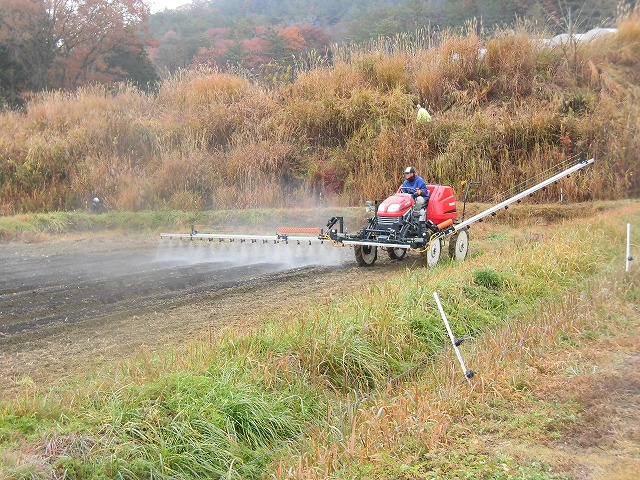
{"x": 159, "y": 5}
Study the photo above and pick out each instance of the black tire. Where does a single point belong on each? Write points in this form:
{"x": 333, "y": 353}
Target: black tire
{"x": 459, "y": 245}
{"x": 396, "y": 253}
{"x": 366, "y": 255}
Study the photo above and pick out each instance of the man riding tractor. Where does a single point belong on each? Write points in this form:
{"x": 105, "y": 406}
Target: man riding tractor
{"x": 415, "y": 185}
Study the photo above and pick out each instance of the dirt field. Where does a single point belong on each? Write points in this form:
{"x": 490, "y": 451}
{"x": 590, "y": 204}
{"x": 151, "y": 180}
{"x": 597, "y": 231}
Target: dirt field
{"x": 67, "y": 306}
{"x": 71, "y": 304}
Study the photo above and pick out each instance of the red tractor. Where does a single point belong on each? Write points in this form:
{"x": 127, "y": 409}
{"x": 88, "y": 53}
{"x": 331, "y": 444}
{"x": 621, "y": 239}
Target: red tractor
{"x": 399, "y": 226}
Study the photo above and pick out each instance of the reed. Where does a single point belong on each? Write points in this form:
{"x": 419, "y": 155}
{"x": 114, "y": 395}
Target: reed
{"x": 505, "y": 109}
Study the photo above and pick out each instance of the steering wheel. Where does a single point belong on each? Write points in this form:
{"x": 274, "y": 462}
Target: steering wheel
{"x": 409, "y": 190}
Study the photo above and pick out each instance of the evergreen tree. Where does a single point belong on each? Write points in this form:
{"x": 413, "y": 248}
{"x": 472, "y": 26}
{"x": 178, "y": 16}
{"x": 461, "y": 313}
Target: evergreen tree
{"x": 136, "y": 67}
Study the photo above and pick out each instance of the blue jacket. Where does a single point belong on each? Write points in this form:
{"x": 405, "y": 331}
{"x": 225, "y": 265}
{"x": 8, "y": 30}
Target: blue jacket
{"x": 417, "y": 182}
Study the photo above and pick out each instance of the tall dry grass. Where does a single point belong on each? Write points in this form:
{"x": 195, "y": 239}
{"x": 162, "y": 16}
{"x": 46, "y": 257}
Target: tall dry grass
{"x": 415, "y": 419}
{"x": 505, "y": 111}
{"x": 510, "y": 61}
{"x": 450, "y": 68}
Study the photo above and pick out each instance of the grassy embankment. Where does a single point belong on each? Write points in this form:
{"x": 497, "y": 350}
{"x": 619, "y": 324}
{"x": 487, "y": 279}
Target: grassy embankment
{"x": 225, "y": 407}
{"x": 556, "y": 398}
{"x": 556, "y": 392}
{"x": 46, "y": 226}
{"x": 43, "y": 226}
{"x": 214, "y": 141}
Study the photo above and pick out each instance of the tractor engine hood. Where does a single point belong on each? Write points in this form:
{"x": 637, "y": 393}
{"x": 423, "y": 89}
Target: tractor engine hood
{"x": 396, "y": 205}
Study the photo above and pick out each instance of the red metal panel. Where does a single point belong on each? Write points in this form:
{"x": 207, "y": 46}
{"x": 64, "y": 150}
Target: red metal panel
{"x": 442, "y": 204}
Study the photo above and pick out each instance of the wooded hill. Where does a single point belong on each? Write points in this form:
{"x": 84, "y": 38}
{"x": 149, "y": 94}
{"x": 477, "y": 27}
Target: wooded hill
{"x": 252, "y": 33}
{"x": 211, "y": 140}
{"x": 64, "y": 44}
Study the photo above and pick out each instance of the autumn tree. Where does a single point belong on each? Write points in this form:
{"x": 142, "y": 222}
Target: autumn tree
{"x": 68, "y": 43}
{"x": 212, "y": 55}
{"x": 314, "y": 37}
{"x": 87, "y": 32}
{"x": 293, "y": 38}
{"x": 26, "y": 48}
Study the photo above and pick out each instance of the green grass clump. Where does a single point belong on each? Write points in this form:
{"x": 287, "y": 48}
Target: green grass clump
{"x": 197, "y": 425}
{"x": 488, "y": 278}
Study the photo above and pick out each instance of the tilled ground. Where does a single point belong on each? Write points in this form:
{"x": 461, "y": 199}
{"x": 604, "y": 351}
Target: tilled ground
{"x": 69, "y": 305}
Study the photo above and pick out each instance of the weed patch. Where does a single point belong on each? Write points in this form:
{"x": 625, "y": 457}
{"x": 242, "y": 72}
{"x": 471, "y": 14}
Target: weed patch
{"x": 488, "y": 278}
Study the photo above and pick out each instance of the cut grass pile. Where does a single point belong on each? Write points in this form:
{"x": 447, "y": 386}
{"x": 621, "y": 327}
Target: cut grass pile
{"x": 225, "y": 407}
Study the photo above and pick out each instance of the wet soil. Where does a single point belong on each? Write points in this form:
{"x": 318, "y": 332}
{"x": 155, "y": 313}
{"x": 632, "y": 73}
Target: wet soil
{"x": 72, "y": 304}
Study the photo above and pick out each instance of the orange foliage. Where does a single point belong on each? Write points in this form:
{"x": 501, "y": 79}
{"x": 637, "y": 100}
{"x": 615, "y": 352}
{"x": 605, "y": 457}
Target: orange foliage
{"x": 292, "y": 36}
{"x": 256, "y": 51}
{"x": 87, "y": 32}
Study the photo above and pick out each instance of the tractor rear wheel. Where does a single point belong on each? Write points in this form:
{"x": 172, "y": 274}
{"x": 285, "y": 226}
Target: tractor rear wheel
{"x": 366, "y": 255}
{"x": 396, "y": 253}
{"x": 432, "y": 256}
{"x": 459, "y": 245}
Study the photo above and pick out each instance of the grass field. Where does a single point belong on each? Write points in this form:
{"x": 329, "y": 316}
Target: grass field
{"x": 309, "y": 397}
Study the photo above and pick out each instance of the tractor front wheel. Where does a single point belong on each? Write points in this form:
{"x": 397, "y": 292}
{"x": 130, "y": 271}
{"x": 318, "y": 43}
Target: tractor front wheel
{"x": 366, "y": 255}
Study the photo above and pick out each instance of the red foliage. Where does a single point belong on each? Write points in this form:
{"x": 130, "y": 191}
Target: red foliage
{"x": 212, "y": 56}
{"x": 314, "y": 37}
{"x": 256, "y": 51}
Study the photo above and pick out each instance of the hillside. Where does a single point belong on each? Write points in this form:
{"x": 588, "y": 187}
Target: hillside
{"x": 338, "y": 133}
{"x": 228, "y": 33}
{"x": 62, "y": 45}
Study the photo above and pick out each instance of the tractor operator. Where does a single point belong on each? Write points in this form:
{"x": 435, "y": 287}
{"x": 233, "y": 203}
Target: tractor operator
{"x": 415, "y": 185}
